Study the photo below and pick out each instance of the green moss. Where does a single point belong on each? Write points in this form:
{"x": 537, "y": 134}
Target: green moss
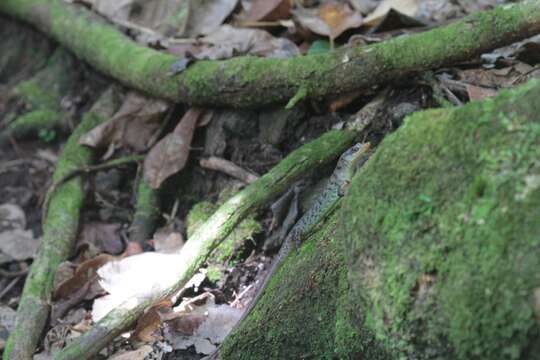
{"x": 33, "y": 122}
{"x": 295, "y": 316}
{"x": 198, "y": 214}
{"x": 36, "y": 96}
{"x": 441, "y": 232}
{"x": 213, "y": 273}
{"x": 242, "y": 233}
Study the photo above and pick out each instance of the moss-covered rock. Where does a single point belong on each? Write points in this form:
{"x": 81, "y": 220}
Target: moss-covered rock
{"x": 442, "y": 235}
{"x": 435, "y": 255}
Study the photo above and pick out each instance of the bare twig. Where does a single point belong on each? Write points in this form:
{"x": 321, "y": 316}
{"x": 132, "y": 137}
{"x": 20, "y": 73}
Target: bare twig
{"x": 229, "y": 168}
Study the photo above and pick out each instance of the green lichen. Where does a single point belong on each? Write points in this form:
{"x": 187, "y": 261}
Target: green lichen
{"x": 442, "y": 236}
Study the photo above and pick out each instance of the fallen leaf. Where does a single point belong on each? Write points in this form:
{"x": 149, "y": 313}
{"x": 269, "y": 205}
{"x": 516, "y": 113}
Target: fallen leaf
{"x": 406, "y": 7}
{"x": 228, "y": 41}
{"x": 7, "y": 318}
{"x": 479, "y": 93}
{"x": 105, "y": 237}
{"x": 339, "y": 18}
{"x": 113, "y": 10}
{"x": 82, "y": 275}
{"x": 168, "y": 242}
{"x": 136, "y": 276}
{"x": 132, "y": 126}
{"x": 12, "y": 217}
{"x": 150, "y": 321}
{"x": 203, "y": 327}
{"x": 331, "y": 19}
{"x": 364, "y": 6}
{"x": 17, "y": 245}
{"x": 132, "y": 248}
{"x": 268, "y": 10}
{"x": 205, "y": 16}
{"x": 139, "y": 354}
{"x": 170, "y": 154}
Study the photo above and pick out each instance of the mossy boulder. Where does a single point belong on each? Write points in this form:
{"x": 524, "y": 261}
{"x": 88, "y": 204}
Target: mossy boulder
{"x": 434, "y": 253}
{"x": 441, "y": 232}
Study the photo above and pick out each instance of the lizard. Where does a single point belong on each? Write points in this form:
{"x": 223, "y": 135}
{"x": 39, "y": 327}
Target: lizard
{"x": 348, "y": 163}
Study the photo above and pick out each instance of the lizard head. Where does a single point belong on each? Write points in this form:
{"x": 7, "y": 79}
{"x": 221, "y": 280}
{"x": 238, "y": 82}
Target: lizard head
{"x": 348, "y": 163}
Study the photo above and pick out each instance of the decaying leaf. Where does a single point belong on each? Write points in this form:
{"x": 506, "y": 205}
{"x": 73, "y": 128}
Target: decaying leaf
{"x": 331, "y": 19}
{"x": 168, "y": 242}
{"x": 138, "y": 276}
{"x": 135, "y": 276}
{"x": 82, "y": 275}
{"x": 480, "y": 93}
{"x": 139, "y": 354}
{"x": 228, "y": 41}
{"x": 406, "y": 7}
{"x": 113, "y": 10}
{"x": 150, "y": 321}
{"x": 16, "y": 244}
{"x": 268, "y": 10}
{"x": 7, "y": 319}
{"x": 170, "y": 154}
{"x": 203, "y": 326}
{"x": 105, "y": 237}
{"x": 133, "y": 124}
{"x": 205, "y": 16}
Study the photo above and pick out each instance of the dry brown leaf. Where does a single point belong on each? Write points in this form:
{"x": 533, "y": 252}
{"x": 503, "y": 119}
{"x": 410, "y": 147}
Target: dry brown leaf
{"x": 133, "y": 124}
{"x": 170, "y": 154}
{"x": 105, "y": 237}
{"x": 201, "y": 323}
{"x": 150, "y": 321}
{"x": 205, "y": 16}
{"x": 480, "y": 93}
{"x": 139, "y": 354}
{"x": 406, "y": 7}
{"x": 84, "y": 273}
{"x": 331, "y": 19}
{"x": 339, "y": 17}
{"x": 268, "y": 10}
{"x": 229, "y": 41}
{"x": 187, "y": 324}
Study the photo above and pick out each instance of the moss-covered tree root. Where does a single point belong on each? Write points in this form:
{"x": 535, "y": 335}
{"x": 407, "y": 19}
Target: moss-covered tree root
{"x": 251, "y": 81}
{"x": 87, "y": 169}
{"x": 40, "y": 96}
{"x": 199, "y": 246}
{"x": 59, "y": 234}
{"x": 147, "y": 210}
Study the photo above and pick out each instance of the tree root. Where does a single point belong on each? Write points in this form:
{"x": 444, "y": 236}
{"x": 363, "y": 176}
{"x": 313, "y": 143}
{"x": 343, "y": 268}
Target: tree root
{"x": 198, "y": 248}
{"x": 59, "y": 234}
{"x": 251, "y": 81}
